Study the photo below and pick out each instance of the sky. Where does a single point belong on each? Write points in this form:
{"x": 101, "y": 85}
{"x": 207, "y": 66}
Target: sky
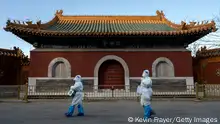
{"x": 44, "y": 10}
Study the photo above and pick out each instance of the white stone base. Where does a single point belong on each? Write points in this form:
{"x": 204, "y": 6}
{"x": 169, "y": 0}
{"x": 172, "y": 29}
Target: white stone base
{"x": 189, "y": 82}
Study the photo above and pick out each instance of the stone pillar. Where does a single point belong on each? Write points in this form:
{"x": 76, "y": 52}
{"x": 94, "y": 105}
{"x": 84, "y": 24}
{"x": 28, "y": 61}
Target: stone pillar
{"x": 190, "y": 84}
{"x": 127, "y": 84}
{"x": 95, "y": 86}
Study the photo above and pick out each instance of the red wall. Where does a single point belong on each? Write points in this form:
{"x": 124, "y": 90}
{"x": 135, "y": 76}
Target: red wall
{"x": 83, "y": 63}
{"x": 206, "y": 70}
{"x": 210, "y": 71}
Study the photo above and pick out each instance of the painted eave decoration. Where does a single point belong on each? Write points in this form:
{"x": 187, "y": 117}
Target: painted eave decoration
{"x": 16, "y": 52}
{"x": 64, "y": 25}
{"x": 207, "y": 53}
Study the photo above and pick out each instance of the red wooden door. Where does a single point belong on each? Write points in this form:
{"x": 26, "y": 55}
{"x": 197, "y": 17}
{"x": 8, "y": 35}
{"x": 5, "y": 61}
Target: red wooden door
{"x": 111, "y": 73}
{"x": 211, "y": 73}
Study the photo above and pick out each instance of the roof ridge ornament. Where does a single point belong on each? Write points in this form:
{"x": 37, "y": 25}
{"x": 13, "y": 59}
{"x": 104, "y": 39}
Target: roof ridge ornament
{"x": 213, "y": 26}
{"x": 160, "y": 14}
{"x": 19, "y": 52}
{"x": 15, "y": 22}
{"x": 28, "y": 21}
{"x": 192, "y": 23}
{"x": 8, "y": 21}
{"x": 213, "y": 22}
{"x": 59, "y": 12}
{"x": 204, "y": 22}
{"x": 18, "y": 21}
{"x": 203, "y": 49}
{"x": 183, "y": 25}
{"x": 38, "y": 24}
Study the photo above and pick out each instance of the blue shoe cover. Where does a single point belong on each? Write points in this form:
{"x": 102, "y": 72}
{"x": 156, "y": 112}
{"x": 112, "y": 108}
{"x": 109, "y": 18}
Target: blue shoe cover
{"x": 80, "y": 110}
{"x": 70, "y": 111}
{"x": 147, "y": 112}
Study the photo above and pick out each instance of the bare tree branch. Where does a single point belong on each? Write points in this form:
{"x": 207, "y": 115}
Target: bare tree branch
{"x": 217, "y": 20}
{"x": 210, "y": 41}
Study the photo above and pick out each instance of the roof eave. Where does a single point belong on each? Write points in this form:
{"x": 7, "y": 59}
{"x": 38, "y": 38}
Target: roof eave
{"x": 57, "y": 33}
{"x": 6, "y": 29}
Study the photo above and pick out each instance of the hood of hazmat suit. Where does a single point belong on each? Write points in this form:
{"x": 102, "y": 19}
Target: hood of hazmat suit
{"x": 145, "y": 73}
{"x": 146, "y": 81}
{"x": 77, "y": 78}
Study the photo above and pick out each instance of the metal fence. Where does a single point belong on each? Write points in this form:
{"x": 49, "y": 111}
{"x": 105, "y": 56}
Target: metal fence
{"x": 110, "y": 92}
{"x": 208, "y": 91}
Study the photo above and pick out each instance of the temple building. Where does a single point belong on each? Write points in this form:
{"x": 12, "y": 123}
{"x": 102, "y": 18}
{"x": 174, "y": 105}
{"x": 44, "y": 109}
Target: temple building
{"x": 14, "y": 67}
{"x": 110, "y": 50}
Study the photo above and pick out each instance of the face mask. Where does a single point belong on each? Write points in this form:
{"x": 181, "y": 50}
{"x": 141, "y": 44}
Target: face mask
{"x": 77, "y": 78}
{"x": 145, "y": 73}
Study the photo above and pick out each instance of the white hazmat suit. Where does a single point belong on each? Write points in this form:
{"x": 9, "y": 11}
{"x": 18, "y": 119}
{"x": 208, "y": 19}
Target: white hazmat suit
{"x": 76, "y": 91}
{"x": 145, "y": 90}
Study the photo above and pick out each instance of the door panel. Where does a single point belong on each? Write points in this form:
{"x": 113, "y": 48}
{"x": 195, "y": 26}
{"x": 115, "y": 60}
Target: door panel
{"x": 111, "y": 73}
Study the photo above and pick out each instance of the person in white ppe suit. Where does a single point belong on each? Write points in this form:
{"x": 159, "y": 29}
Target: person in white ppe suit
{"x": 76, "y": 91}
{"x": 145, "y": 90}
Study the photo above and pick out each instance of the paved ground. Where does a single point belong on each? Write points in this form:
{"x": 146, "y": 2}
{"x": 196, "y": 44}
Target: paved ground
{"x": 114, "y": 112}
